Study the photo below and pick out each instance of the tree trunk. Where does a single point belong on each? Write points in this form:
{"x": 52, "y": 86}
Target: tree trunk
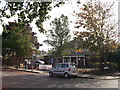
{"x": 17, "y": 63}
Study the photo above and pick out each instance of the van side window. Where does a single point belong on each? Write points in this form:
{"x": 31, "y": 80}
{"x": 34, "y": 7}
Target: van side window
{"x": 58, "y": 66}
{"x": 66, "y": 65}
{"x": 63, "y": 66}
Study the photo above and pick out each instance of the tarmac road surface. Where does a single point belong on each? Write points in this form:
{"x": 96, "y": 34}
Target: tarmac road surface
{"x": 20, "y": 79}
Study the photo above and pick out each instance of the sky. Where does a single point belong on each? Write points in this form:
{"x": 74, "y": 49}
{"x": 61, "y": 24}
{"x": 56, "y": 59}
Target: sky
{"x": 66, "y": 9}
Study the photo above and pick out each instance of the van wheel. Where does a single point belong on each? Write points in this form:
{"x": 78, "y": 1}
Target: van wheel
{"x": 66, "y": 75}
{"x": 50, "y": 74}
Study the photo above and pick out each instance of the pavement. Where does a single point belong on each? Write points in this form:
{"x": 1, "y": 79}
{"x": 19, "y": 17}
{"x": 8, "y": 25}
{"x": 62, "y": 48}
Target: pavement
{"x": 28, "y": 70}
{"x": 80, "y": 75}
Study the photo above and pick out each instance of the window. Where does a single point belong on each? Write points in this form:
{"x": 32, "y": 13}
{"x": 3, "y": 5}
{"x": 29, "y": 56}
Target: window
{"x": 66, "y": 65}
{"x": 63, "y": 66}
{"x": 58, "y": 65}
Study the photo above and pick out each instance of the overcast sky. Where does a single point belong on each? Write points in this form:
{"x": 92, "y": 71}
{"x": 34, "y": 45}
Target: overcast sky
{"x": 66, "y": 9}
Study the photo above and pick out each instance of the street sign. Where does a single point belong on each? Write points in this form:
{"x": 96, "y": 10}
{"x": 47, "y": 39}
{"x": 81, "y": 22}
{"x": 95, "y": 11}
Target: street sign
{"x": 106, "y": 67}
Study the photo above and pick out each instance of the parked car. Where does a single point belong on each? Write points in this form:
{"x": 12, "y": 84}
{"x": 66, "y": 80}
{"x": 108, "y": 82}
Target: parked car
{"x": 26, "y": 64}
{"x": 64, "y": 69}
{"x": 40, "y": 62}
{"x": 36, "y": 63}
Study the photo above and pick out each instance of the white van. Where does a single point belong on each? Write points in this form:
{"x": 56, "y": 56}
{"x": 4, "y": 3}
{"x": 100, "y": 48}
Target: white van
{"x": 65, "y": 69}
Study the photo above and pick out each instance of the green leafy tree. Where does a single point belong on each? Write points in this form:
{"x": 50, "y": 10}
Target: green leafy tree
{"x": 69, "y": 48}
{"x": 18, "y": 42}
{"x": 114, "y": 56}
{"x": 14, "y": 41}
{"x": 100, "y": 32}
{"x": 58, "y": 35}
{"x": 26, "y": 12}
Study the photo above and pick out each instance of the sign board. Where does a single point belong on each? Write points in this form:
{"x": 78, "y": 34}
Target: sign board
{"x": 106, "y": 67}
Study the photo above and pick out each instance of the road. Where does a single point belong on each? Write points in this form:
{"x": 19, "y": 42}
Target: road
{"x": 20, "y": 79}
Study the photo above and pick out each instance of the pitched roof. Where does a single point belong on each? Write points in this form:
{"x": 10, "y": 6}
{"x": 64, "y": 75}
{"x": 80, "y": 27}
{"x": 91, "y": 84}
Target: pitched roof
{"x": 86, "y": 53}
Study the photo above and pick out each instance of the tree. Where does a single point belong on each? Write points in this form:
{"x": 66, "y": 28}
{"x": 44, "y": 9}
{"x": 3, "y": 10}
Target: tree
{"x": 114, "y": 56}
{"x": 26, "y": 12}
{"x": 18, "y": 42}
{"x": 59, "y": 34}
{"x": 95, "y": 17}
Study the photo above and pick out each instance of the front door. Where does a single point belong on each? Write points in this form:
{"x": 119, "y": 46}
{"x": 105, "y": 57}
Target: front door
{"x": 62, "y": 69}
{"x": 56, "y": 69}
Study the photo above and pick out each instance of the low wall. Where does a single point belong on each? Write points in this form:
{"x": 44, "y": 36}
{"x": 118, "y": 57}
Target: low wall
{"x": 45, "y": 67}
